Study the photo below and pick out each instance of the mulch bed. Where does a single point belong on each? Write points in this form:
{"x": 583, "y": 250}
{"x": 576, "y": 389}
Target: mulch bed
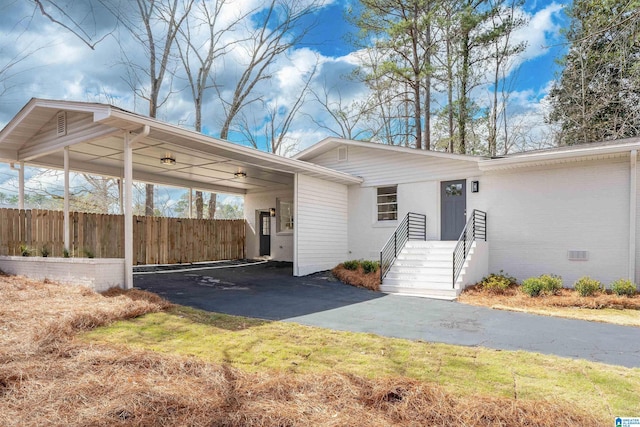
{"x": 513, "y": 297}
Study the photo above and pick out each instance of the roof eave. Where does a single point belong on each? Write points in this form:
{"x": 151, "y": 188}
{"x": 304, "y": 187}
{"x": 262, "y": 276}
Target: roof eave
{"x": 543, "y": 158}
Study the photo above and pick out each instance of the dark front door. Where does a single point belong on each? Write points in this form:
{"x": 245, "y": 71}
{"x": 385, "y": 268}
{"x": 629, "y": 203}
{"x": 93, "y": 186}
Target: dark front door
{"x": 453, "y": 205}
{"x": 265, "y": 234}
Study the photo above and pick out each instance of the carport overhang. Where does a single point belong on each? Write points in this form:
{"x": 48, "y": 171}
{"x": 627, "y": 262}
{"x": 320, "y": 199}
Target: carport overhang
{"x": 105, "y": 140}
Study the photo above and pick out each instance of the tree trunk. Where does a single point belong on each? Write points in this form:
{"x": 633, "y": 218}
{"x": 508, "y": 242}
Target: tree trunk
{"x": 199, "y": 205}
{"x": 148, "y": 203}
{"x": 212, "y": 205}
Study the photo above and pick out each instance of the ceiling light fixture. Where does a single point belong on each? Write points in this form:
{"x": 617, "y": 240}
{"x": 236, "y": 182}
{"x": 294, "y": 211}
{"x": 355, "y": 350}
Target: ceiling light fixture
{"x": 240, "y": 174}
{"x": 168, "y": 159}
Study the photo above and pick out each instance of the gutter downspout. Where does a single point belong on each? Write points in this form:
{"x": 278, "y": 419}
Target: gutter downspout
{"x": 633, "y": 213}
{"x": 129, "y": 143}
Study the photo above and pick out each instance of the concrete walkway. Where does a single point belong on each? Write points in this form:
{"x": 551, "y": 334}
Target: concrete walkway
{"x": 268, "y": 291}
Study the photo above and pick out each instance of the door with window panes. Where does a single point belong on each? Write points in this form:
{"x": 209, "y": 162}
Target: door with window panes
{"x": 453, "y": 205}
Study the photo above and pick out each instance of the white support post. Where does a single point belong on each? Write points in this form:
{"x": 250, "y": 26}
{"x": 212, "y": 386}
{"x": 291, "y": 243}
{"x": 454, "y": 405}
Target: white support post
{"x": 129, "y": 143}
{"x": 190, "y": 203}
{"x": 128, "y": 212}
{"x": 21, "y": 186}
{"x": 67, "y": 228}
{"x": 633, "y": 213}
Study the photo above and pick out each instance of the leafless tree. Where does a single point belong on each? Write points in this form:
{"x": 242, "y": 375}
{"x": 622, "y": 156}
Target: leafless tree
{"x": 78, "y": 18}
{"x": 200, "y": 41}
{"x": 154, "y": 24}
{"x": 346, "y": 119}
{"x": 276, "y": 124}
{"x": 275, "y": 28}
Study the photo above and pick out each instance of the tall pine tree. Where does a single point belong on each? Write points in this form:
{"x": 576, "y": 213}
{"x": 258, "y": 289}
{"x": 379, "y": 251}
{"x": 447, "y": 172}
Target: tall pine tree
{"x": 597, "y": 96}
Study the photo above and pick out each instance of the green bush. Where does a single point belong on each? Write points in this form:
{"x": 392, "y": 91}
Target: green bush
{"x": 586, "y": 286}
{"x": 624, "y": 287}
{"x": 370, "y": 266}
{"x": 44, "y": 251}
{"x": 497, "y": 283}
{"x": 532, "y": 286}
{"x": 351, "y": 265}
{"x": 24, "y": 250}
{"x": 551, "y": 284}
{"x": 546, "y": 284}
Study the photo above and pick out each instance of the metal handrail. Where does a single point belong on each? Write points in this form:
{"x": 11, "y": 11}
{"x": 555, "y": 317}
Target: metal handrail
{"x": 412, "y": 227}
{"x": 474, "y": 229}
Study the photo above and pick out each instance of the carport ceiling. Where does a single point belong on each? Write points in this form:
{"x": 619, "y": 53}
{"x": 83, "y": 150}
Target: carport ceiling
{"x": 95, "y": 137}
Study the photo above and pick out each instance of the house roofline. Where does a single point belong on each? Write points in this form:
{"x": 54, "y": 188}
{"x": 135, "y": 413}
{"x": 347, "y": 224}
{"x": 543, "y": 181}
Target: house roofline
{"x": 331, "y": 142}
{"x": 106, "y": 112}
{"x": 562, "y": 154}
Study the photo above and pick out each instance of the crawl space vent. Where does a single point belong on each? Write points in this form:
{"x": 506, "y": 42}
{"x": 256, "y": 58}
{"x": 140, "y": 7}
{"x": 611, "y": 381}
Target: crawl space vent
{"x": 61, "y": 124}
{"x": 578, "y": 255}
{"x": 342, "y": 154}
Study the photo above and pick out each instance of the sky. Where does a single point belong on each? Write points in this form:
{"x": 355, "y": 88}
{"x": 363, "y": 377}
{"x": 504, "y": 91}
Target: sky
{"x": 58, "y": 65}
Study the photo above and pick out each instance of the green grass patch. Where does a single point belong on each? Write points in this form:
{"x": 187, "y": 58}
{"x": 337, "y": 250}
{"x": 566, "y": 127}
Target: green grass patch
{"x": 255, "y": 345}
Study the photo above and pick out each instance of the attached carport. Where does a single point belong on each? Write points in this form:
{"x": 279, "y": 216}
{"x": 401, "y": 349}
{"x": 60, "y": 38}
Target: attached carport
{"x": 105, "y": 140}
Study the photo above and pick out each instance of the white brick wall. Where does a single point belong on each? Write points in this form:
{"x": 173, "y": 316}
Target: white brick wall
{"x": 97, "y": 274}
{"x": 536, "y": 214}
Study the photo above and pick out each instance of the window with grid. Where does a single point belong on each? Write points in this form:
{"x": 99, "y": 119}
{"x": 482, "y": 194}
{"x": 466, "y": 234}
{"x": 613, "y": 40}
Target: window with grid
{"x": 387, "y": 203}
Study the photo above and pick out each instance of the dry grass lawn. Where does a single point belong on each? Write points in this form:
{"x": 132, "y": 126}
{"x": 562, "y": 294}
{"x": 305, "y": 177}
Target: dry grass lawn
{"x": 50, "y": 377}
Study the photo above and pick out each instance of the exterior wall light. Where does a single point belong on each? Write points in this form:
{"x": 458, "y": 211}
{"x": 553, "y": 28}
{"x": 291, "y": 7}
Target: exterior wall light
{"x": 475, "y": 186}
{"x": 272, "y": 211}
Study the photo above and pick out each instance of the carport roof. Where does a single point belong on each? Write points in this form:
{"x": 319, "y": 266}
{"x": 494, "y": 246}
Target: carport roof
{"x": 95, "y": 132}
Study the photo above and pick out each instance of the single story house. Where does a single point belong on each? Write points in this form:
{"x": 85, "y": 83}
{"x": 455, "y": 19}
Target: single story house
{"x": 570, "y": 211}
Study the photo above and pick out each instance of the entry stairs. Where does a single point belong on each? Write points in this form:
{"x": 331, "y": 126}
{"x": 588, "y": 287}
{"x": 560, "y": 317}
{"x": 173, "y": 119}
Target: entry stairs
{"x": 425, "y": 269}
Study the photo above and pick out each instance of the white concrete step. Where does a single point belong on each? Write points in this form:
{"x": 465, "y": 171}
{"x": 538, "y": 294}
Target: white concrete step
{"x": 446, "y": 294}
{"x": 417, "y": 284}
{"x": 423, "y": 269}
{"x": 424, "y": 262}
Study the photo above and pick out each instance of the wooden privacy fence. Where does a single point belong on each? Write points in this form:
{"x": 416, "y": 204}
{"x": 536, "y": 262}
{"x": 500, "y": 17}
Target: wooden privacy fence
{"x": 156, "y": 240}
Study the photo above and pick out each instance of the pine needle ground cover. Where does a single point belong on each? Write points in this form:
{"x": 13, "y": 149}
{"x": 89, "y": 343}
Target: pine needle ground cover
{"x": 603, "y": 307}
{"x": 69, "y": 356}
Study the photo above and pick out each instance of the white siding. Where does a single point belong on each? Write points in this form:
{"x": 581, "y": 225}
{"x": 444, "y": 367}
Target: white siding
{"x": 281, "y": 243}
{"x": 637, "y": 272}
{"x": 380, "y": 167}
{"x": 320, "y": 224}
{"x": 536, "y": 215}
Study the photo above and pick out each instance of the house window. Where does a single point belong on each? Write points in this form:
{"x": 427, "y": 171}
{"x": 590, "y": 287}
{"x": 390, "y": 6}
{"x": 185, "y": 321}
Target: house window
{"x": 284, "y": 216}
{"x": 388, "y": 203}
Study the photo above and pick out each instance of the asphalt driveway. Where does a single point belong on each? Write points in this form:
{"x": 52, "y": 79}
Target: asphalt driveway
{"x": 269, "y": 291}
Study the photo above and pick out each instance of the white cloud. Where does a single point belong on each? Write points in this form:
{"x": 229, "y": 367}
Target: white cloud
{"x": 540, "y": 32}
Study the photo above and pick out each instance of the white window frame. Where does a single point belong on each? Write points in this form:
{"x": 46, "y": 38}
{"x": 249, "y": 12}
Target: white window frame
{"x": 284, "y": 216}
{"x": 386, "y": 203}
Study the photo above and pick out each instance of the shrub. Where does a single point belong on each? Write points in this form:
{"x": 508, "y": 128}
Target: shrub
{"x": 24, "y": 250}
{"x": 551, "y": 284}
{"x": 497, "y": 283}
{"x": 586, "y": 286}
{"x": 532, "y": 286}
{"x": 351, "y": 265}
{"x": 624, "y": 287}
{"x": 370, "y": 266}
{"x": 546, "y": 284}
{"x": 44, "y": 251}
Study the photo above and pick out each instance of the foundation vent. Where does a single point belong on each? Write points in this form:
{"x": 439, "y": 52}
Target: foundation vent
{"x": 342, "y": 154}
{"x": 578, "y": 255}
{"x": 61, "y": 124}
